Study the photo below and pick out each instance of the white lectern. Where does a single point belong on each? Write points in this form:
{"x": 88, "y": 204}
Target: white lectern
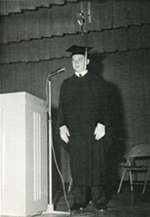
{"x": 23, "y": 154}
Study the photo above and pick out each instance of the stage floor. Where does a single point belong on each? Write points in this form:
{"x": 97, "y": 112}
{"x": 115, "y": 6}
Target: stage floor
{"x": 125, "y": 204}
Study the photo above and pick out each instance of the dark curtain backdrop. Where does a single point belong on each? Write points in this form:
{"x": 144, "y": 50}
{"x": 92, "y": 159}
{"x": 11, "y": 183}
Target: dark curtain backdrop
{"x": 35, "y": 34}
{"x": 111, "y": 40}
{"x": 129, "y": 71}
{"x": 60, "y": 20}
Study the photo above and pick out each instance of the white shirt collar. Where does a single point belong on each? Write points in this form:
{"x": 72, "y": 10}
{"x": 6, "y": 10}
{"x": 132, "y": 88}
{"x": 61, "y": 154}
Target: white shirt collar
{"x": 81, "y": 74}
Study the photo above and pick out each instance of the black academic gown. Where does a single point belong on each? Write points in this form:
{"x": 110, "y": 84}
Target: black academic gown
{"x": 82, "y": 106}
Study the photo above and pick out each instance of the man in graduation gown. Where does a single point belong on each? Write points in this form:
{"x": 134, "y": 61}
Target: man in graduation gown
{"x": 82, "y": 122}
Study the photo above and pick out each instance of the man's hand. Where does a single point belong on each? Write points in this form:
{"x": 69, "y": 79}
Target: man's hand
{"x": 64, "y": 133}
{"x": 99, "y": 131}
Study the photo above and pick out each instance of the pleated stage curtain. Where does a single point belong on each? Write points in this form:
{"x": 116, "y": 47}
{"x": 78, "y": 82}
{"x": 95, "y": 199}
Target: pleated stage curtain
{"x": 35, "y": 34}
{"x": 108, "y": 41}
{"x": 16, "y": 6}
{"x": 61, "y": 20}
{"x": 128, "y": 71}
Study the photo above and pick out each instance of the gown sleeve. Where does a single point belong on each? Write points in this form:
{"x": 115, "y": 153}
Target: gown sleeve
{"x": 61, "y": 116}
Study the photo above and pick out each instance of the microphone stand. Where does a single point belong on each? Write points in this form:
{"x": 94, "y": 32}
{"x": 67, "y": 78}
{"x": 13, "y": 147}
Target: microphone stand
{"x": 50, "y": 207}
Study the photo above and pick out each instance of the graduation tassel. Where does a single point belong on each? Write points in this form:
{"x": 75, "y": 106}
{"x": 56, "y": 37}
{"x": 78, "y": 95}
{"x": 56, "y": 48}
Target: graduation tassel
{"x": 85, "y": 63}
{"x": 89, "y": 12}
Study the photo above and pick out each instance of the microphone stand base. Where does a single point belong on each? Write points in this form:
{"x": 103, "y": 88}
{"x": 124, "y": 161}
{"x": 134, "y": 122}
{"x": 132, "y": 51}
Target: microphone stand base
{"x": 50, "y": 210}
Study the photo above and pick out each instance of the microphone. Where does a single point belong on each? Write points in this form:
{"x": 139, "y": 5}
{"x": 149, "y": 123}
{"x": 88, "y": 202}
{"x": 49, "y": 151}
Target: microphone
{"x": 55, "y": 72}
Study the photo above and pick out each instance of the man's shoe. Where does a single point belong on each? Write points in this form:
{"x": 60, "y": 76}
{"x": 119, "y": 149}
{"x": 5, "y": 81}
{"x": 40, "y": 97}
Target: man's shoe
{"x": 76, "y": 206}
{"x": 101, "y": 207}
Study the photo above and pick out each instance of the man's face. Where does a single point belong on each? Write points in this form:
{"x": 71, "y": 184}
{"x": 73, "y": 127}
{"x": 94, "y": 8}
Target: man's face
{"x": 79, "y": 62}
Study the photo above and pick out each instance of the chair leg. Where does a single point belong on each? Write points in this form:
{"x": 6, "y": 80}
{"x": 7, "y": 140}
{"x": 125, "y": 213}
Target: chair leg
{"x": 131, "y": 181}
{"x": 122, "y": 178}
{"x": 70, "y": 185}
{"x": 146, "y": 180}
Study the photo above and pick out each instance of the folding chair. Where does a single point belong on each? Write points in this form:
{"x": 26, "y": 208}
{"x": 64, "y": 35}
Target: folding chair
{"x": 138, "y": 154}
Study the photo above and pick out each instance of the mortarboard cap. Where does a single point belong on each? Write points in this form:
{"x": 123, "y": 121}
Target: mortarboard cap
{"x": 76, "y": 49}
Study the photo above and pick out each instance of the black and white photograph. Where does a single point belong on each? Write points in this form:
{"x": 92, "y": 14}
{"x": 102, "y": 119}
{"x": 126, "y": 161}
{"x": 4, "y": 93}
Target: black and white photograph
{"x": 74, "y": 108}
